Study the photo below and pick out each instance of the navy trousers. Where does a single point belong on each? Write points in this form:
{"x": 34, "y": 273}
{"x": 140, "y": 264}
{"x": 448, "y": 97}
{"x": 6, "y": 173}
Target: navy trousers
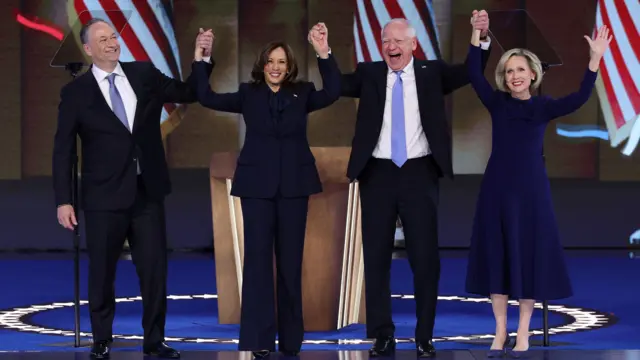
{"x": 272, "y": 226}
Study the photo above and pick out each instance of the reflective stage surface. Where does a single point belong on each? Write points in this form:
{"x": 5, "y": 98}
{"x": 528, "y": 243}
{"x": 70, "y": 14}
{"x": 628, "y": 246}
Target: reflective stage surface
{"x": 337, "y": 355}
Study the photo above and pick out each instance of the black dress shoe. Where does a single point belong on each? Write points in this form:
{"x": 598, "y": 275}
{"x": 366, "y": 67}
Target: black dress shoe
{"x": 261, "y": 354}
{"x": 425, "y": 349}
{"x": 161, "y": 350}
{"x": 290, "y": 353}
{"x": 383, "y": 346}
{"x": 100, "y": 350}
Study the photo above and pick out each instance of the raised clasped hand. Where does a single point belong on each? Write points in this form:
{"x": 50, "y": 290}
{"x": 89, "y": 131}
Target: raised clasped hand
{"x": 204, "y": 44}
{"x": 480, "y": 21}
{"x": 319, "y": 38}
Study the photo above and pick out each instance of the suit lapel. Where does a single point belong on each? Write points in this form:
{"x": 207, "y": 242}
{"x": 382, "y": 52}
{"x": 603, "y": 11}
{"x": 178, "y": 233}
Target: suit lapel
{"x": 263, "y": 93}
{"x": 99, "y": 101}
{"x": 138, "y": 88}
{"x": 286, "y": 95}
{"x": 421, "y": 71}
{"x": 381, "y": 82}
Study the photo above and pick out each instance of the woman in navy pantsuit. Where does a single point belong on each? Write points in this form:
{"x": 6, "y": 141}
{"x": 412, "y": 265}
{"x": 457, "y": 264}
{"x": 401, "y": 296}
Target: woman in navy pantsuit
{"x": 515, "y": 247}
{"x": 275, "y": 175}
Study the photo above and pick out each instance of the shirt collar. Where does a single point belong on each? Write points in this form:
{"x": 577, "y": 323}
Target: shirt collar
{"x": 102, "y": 75}
{"x": 407, "y": 69}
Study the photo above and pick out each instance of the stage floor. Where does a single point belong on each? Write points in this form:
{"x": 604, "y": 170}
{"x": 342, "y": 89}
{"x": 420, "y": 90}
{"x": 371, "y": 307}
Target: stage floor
{"x": 348, "y": 355}
{"x": 601, "y": 320}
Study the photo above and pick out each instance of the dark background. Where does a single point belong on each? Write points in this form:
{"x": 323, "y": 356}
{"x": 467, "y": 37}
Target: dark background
{"x": 595, "y": 188}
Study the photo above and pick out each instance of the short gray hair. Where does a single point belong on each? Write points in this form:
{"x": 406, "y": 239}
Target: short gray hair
{"x": 411, "y": 31}
{"x": 84, "y": 31}
{"x": 532, "y": 60}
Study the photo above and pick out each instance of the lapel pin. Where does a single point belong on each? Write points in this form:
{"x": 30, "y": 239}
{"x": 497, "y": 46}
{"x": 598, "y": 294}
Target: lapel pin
{"x": 295, "y": 95}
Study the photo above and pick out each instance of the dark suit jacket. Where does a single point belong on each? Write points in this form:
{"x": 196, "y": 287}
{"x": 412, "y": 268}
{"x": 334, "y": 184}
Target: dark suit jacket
{"x": 109, "y": 176}
{"x": 276, "y": 159}
{"x": 434, "y": 80}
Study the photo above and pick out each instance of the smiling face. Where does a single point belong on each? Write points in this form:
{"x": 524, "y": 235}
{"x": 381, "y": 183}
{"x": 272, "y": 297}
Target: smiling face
{"x": 102, "y": 45}
{"x": 275, "y": 69}
{"x": 398, "y": 44}
{"x": 518, "y": 75}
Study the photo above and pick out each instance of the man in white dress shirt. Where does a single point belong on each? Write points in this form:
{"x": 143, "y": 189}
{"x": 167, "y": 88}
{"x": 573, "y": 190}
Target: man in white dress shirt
{"x": 115, "y": 109}
{"x": 400, "y": 149}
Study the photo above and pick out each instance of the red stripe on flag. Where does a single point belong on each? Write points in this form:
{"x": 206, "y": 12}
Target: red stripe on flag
{"x": 629, "y": 26}
{"x": 363, "y": 42}
{"x": 395, "y": 12}
{"x": 82, "y": 11}
{"x": 149, "y": 18}
{"x": 625, "y": 76}
{"x": 425, "y": 16}
{"x": 128, "y": 36}
{"x": 374, "y": 25}
{"x": 611, "y": 95}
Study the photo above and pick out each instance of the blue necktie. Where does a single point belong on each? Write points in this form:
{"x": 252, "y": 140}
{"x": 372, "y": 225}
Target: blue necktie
{"x": 398, "y": 136}
{"x": 118, "y": 106}
{"x": 116, "y": 101}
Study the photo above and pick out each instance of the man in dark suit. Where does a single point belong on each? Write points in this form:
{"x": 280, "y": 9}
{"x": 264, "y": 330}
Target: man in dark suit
{"x": 115, "y": 108}
{"x": 400, "y": 150}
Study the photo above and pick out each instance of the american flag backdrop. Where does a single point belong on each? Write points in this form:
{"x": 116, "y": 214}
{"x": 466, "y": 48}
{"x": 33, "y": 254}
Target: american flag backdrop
{"x": 371, "y": 15}
{"x": 147, "y": 35}
{"x": 618, "y": 83}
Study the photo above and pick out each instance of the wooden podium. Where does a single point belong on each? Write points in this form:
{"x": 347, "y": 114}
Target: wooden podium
{"x": 332, "y": 268}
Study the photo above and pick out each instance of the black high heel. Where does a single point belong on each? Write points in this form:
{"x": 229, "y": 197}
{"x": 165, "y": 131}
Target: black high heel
{"x": 517, "y": 354}
{"x": 502, "y": 352}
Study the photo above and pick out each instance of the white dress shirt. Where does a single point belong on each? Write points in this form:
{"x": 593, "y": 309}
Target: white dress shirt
{"x": 417, "y": 143}
{"x": 127, "y": 94}
{"x": 129, "y": 98}
{"x": 121, "y": 82}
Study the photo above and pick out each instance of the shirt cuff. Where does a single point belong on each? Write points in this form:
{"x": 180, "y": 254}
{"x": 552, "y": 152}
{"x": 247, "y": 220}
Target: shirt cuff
{"x": 484, "y": 44}
{"x": 206, "y": 59}
{"x": 329, "y": 53}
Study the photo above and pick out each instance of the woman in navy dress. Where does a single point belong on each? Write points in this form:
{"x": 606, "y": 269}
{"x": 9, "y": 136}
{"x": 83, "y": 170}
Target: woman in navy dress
{"x": 515, "y": 247}
{"x": 275, "y": 175}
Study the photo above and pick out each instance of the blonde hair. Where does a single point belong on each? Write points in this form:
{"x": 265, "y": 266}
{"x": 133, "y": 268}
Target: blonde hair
{"x": 532, "y": 60}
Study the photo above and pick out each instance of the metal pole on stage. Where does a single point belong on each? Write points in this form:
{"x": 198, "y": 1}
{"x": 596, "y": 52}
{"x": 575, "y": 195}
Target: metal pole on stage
{"x": 545, "y": 322}
{"x": 74, "y": 68}
{"x": 76, "y": 257}
{"x": 545, "y": 304}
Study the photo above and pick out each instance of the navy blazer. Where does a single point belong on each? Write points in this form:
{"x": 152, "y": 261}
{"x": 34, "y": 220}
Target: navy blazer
{"x": 276, "y": 159}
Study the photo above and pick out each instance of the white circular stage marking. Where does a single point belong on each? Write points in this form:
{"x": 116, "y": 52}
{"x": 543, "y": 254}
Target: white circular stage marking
{"x": 583, "y": 320}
